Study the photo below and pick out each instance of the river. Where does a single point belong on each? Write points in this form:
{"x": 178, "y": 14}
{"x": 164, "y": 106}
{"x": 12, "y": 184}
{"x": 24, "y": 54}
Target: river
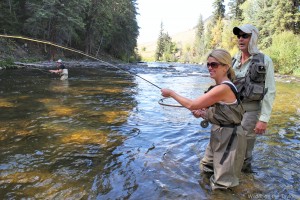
{"x": 103, "y": 135}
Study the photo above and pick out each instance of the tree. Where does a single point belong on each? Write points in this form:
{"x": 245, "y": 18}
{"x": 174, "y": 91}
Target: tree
{"x": 286, "y": 16}
{"x": 92, "y": 25}
{"x": 216, "y": 32}
{"x": 208, "y": 36}
{"x": 170, "y": 49}
{"x": 199, "y": 38}
{"x": 219, "y": 9}
{"x": 235, "y": 12}
{"x": 12, "y": 16}
{"x": 160, "y": 43}
{"x": 55, "y": 21}
{"x": 125, "y": 29}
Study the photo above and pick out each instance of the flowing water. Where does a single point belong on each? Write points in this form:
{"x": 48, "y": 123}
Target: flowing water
{"x": 103, "y": 135}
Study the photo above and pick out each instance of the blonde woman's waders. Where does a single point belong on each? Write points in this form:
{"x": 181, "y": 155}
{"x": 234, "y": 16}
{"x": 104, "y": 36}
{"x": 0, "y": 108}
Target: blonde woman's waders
{"x": 225, "y": 153}
{"x": 225, "y": 168}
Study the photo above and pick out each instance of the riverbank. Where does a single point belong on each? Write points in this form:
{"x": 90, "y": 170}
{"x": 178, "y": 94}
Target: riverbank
{"x": 286, "y": 78}
{"x": 17, "y": 54}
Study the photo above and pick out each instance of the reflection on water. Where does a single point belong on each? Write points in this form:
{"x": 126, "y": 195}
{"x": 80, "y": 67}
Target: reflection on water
{"x": 102, "y": 135}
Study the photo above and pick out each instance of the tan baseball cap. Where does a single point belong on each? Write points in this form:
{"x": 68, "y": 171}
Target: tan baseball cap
{"x": 246, "y": 28}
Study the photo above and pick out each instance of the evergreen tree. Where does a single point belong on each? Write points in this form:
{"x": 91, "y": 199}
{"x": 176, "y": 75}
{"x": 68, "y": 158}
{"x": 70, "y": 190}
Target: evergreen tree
{"x": 219, "y": 10}
{"x": 170, "y": 48}
{"x": 11, "y": 16}
{"x": 235, "y": 12}
{"x": 165, "y": 48}
{"x": 160, "y": 43}
{"x": 98, "y": 25}
{"x": 125, "y": 29}
{"x": 286, "y": 16}
{"x": 111, "y": 27}
{"x": 56, "y": 21}
{"x": 199, "y": 38}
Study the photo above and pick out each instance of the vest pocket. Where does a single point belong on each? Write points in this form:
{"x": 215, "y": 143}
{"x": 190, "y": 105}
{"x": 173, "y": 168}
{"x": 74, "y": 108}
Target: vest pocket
{"x": 257, "y": 72}
{"x": 254, "y": 92}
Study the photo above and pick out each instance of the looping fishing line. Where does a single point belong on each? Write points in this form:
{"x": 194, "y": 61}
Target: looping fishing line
{"x": 161, "y": 102}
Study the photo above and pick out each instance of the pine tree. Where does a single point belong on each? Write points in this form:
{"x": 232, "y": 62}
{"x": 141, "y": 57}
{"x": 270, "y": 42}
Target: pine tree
{"x": 160, "y": 43}
{"x": 286, "y": 16}
{"x": 199, "y": 38}
{"x": 235, "y": 12}
{"x": 219, "y": 10}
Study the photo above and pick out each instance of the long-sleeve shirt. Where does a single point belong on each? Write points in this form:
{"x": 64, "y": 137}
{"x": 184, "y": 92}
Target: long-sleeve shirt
{"x": 267, "y": 102}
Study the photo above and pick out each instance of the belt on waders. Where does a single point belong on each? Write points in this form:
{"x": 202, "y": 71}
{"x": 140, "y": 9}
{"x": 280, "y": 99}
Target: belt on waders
{"x": 226, "y": 153}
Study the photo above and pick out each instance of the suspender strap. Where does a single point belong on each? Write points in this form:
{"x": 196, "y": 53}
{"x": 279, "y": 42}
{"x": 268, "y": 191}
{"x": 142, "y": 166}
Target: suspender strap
{"x": 226, "y": 153}
{"x": 234, "y": 91}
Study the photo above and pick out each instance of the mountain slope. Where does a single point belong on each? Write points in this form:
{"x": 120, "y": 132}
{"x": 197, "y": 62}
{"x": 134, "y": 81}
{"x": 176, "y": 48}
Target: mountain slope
{"x": 147, "y": 50}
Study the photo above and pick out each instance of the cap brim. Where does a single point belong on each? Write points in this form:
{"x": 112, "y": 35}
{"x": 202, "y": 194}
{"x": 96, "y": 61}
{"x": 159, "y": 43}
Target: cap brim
{"x": 236, "y": 30}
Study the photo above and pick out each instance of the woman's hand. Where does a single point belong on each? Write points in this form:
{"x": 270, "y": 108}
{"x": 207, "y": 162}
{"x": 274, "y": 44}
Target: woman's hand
{"x": 200, "y": 113}
{"x": 166, "y": 92}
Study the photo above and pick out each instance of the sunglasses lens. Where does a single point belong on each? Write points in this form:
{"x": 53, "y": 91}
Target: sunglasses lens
{"x": 244, "y": 36}
{"x": 212, "y": 65}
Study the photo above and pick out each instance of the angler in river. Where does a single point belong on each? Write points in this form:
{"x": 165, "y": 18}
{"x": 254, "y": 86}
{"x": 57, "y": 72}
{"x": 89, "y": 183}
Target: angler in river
{"x": 61, "y": 70}
{"x": 220, "y": 105}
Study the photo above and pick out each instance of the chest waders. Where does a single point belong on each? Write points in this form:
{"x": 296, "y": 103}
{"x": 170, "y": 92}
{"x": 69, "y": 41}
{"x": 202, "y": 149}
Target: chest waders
{"x": 234, "y": 126}
{"x": 205, "y": 123}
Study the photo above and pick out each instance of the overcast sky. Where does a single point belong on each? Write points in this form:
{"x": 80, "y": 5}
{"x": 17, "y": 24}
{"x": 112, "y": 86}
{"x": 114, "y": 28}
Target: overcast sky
{"x": 176, "y": 15}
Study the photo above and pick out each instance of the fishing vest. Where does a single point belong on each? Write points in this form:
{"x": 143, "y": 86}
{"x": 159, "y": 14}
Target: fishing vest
{"x": 251, "y": 87}
{"x": 226, "y": 114}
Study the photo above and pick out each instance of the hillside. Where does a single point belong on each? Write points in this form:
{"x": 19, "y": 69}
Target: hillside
{"x": 147, "y": 50}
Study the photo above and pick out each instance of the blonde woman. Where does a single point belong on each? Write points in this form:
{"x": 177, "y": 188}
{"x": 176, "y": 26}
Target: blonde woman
{"x": 220, "y": 105}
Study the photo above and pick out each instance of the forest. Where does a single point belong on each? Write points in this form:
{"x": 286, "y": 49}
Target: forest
{"x": 99, "y": 27}
{"x": 91, "y": 26}
{"x": 278, "y": 22}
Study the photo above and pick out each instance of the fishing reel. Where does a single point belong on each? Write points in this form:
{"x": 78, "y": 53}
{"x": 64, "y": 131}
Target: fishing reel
{"x": 204, "y": 123}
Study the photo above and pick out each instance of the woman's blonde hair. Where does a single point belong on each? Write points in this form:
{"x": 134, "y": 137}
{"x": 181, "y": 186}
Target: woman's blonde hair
{"x": 224, "y": 57}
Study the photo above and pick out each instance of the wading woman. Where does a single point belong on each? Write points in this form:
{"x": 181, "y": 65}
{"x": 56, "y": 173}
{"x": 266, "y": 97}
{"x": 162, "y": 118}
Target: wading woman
{"x": 224, "y": 155}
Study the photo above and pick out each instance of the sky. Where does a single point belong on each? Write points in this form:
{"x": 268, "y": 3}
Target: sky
{"x": 176, "y": 15}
